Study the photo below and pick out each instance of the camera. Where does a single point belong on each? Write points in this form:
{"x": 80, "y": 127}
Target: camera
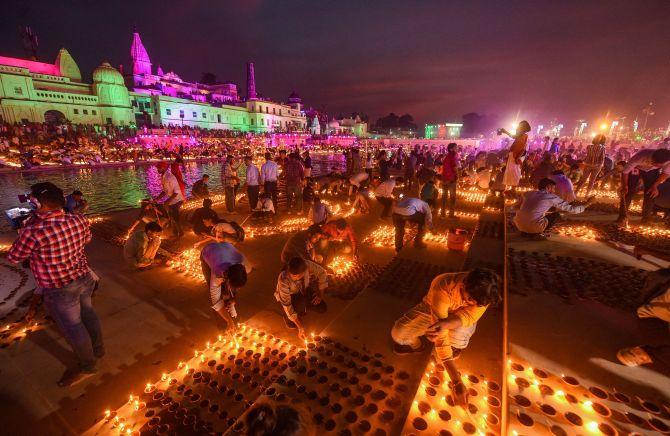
{"x": 17, "y": 215}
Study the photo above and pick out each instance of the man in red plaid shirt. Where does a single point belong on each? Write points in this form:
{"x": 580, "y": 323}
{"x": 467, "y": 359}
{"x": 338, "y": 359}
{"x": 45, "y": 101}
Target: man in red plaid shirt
{"x": 53, "y": 242}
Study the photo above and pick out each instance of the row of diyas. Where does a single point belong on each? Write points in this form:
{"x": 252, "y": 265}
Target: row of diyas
{"x": 434, "y": 411}
{"x": 131, "y": 418}
{"x": 544, "y": 403}
{"x": 384, "y": 236}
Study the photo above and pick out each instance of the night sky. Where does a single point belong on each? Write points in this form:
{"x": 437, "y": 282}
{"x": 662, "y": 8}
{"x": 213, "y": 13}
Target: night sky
{"x": 437, "y": 60}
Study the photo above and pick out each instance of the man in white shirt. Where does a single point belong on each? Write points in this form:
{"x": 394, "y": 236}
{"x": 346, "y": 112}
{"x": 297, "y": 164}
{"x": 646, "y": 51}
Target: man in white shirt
{"x": 253, "y": 180}
{"x": 175, "y": 198}
{"x": 300, "y": 287}
{"x": 653, "y": 167}
{"x": 384, "y": 194}
{"x": 413, "y": 210}
{"x": 533, "y": 217}
{"x": 269, "y": 172}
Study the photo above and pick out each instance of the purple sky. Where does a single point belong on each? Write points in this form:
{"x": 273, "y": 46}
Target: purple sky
{"x": 436, "y": 60}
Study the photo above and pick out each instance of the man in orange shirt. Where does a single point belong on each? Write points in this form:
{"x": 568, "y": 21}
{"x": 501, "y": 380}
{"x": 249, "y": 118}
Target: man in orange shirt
{"x": 339, "y": 230}
{"x": 448, "y": 316}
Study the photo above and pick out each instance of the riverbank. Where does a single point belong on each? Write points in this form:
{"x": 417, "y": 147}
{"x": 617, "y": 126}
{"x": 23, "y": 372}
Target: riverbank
{"x": 48, "y": 168}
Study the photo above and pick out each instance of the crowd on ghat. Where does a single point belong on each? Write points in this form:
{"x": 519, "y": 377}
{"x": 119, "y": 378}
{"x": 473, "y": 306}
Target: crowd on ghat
{"x": 415, "y": 186}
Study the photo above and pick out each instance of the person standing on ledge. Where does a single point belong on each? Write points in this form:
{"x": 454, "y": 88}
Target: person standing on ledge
{"x": 450, "y": 166}
{"x": 53, "y": 242}
{"x": 413, "y": 210}
{"x": 448, "y": 316}
{"x": 174, "y": 199}
{"x": 228, "y": 182}
{"x": 517, "y": 151}
{"x": 269, "y": 171}
{"x": 253, "y": 177}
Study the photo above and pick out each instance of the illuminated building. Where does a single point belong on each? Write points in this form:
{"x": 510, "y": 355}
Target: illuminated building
{"x": 32, "y": 91}
{"x": 443, "y": 131}
{"x": 165, "y": 98}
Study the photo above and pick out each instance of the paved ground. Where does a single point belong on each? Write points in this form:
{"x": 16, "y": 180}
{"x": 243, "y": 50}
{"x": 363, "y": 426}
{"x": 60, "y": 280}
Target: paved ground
{"x": 580, "y": 338}
{"x": 154, "y": 319}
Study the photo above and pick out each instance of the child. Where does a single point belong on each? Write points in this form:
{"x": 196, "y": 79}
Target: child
{"x": 429, "y": 193}
{"x": 265, "y": 209}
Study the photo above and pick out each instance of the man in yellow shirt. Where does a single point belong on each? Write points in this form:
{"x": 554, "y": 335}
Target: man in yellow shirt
{"x": 448, "y": 316}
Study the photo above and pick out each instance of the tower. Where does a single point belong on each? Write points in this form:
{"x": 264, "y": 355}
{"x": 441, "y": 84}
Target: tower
{"x": 251, "y": 82}
{"x": 139, "y": 56}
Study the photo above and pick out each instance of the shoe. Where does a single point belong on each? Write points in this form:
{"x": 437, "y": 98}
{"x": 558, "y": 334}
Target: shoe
{"x": 634, "y": 356}
{"x": 407, "y": 349}
{"x": 290, "y": 324}
{"x": 72, "y": 377}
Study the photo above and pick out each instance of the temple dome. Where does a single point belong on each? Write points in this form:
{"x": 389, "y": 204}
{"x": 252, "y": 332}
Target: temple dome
{"x": 106, "y": 73}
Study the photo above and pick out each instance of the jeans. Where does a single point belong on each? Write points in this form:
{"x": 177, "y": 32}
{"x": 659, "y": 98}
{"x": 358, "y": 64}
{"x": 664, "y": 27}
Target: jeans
{"x": 271, "y": 187}
{"x": 399, "y": 224}
{"x": 648, "y": 179}
{"x": 449, "y": 189}
{"x": 252, "y": 193}
{"x": 294, "y": 195}
{"x": 413, "y": 324}
{"x": 303, "y": 302}
{"x": 173, "y": 215}
{"x": 552, "y": 218}
{"x": 590, "y": 174}
{"x": 229, "y": 192}
{"x": 386, "y": 203}
{"x": 71, "y": 309}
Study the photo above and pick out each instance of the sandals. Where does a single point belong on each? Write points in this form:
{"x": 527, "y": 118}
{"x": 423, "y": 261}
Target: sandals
{"x": 634, "y": 356}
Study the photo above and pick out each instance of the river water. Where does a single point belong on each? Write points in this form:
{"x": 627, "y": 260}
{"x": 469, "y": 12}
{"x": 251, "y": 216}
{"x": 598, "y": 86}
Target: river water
{"x": 117, "y": 188}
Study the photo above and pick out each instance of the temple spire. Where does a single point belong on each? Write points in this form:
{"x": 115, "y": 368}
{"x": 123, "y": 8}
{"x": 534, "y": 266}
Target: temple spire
{"x": 251, "y": 82}
{"x": 139, "y": 56}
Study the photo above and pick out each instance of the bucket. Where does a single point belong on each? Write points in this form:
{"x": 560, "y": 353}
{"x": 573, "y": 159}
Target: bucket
{"x": 456, "y": 239}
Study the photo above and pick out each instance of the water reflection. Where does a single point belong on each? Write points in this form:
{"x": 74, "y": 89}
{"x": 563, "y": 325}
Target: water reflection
{"x": 118, "y": 188}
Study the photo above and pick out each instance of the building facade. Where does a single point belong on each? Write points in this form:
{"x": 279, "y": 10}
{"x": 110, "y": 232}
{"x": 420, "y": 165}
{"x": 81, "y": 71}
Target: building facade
{"x": 443, "y": 131}
{"x": 160, "y": 98}
{"x": 32, "y": 91}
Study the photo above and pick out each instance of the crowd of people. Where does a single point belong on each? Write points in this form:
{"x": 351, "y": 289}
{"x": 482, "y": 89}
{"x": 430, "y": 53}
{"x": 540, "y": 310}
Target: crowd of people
{"x": 408, "y": 184}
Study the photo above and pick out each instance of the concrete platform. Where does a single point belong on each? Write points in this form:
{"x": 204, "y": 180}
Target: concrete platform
{"x": 154, "y": 319}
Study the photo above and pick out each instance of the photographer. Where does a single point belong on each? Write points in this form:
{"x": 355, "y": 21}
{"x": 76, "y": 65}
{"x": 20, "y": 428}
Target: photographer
{"x": 53, "y": 241}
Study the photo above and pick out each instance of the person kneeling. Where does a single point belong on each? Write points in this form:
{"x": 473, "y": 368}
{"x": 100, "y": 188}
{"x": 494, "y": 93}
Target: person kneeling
{"x": 300, "y": 286}
{"x": 141, "y": 247}
{"x": 448, "y": 316}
